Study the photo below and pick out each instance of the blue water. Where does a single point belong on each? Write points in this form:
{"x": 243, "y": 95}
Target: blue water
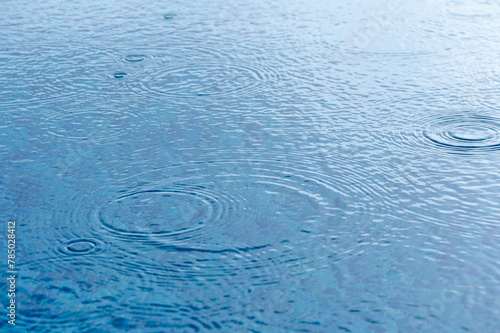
{"x": 257, "y": 166}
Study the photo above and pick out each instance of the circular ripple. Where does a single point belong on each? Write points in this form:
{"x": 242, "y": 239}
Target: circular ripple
{"x": 135, "y": 58}
{"x": 119, "y": 75}
{"x": 465, "y": 133}
{"x": 471, "y": 133}
{"x": 72, "y": 246}
{"x": 158, "y": 212}
{"x": 210, "y": 220}
{"x": 456, "y": 133}
{"x": 80, "y": 246}
{"x": 93, "y": 125}
{"x": 204, "y": 80}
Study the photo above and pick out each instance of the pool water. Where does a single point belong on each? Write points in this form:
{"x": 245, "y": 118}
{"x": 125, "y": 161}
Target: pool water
{"x": 257, "y": 166}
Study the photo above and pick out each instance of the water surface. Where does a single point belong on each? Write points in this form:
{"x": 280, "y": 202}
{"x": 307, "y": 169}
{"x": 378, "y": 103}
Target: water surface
{"x": 252, "y": 167}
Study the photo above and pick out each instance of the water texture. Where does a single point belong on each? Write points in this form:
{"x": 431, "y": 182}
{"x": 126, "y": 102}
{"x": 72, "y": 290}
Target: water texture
{"x": 258, "y": 166}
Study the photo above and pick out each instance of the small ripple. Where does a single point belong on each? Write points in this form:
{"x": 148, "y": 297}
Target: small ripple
{"x": 135, "y": 58}
{"x": 80, "y": 246}
{"x": 119, "y": 75}
{"x": 153, "y": 211}
{"x": 169, "y": 16}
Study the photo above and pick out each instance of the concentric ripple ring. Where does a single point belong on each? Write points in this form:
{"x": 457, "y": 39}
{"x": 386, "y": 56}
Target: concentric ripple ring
{"x": 239, "y": 216}
{"x": 465, "y": 133}
{"x": 161, "y": 212}
{"x": 204, "y": 80}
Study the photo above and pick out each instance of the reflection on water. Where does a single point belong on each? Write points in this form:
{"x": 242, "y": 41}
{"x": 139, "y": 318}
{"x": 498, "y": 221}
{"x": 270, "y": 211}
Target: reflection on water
{"x": 252, "y": 166}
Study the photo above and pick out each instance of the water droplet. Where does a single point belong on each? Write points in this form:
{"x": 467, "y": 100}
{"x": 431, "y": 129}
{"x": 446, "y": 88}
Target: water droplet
{"x": 80, "y": 246}
{"x": 134, "y": 58}
{"x": 119, "y": 75}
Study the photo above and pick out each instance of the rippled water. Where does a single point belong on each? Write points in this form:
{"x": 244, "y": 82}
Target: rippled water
{"x": 252, "y": 167}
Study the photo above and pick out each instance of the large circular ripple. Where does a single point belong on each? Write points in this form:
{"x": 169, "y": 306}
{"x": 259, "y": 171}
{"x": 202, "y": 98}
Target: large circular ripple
{"x": 265, "y": 218}
{"x": 203, "y": 80}
{"x": 140, "y": 214}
